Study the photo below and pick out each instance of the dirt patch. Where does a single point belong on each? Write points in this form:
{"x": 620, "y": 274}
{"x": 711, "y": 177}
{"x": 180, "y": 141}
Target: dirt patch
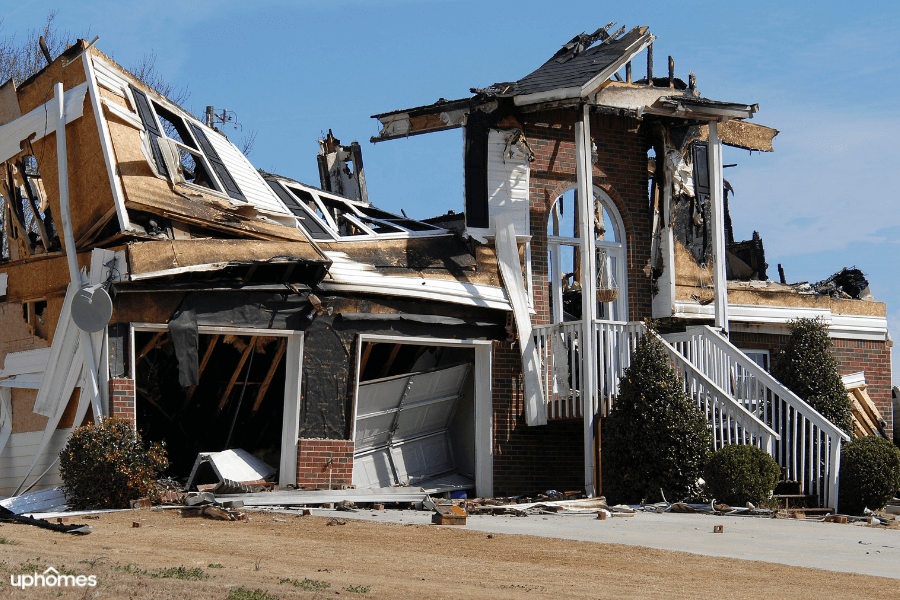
{"x": 302, "y": 557}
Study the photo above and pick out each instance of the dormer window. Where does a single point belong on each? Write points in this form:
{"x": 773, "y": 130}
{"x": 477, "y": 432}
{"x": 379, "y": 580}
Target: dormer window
{"x": 181, "y": 149}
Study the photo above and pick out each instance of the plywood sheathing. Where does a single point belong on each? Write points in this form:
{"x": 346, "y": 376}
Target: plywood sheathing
{"x": 39, "y": 276}
{"x": 741, "y": 134}
{"x": 90, "y": 193}
{"x": 24, "y": 420}
{"x": 145, "y": 307}
{"x": 689, "y": 274}
{"x": 162, "y": 255}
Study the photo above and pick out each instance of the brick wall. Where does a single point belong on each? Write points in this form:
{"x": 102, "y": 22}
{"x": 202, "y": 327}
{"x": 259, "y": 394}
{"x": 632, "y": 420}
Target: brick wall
{"x": 552, "y": 456}
{"x": 874, "y": 358}
{"x": 313, "y": 469}
{"x": 121, "y": 399}
{"x": 852, "y": 356}
{"x": 529, "y": 458}
{"x": 620, "y": 171}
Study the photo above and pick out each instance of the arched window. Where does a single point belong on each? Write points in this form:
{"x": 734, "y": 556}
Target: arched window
{"x": 564, "y": 242}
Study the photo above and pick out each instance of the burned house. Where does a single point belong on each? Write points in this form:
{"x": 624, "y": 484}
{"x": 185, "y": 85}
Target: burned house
{"x": 612, "y": 184}
{"x": 150, "y": 272}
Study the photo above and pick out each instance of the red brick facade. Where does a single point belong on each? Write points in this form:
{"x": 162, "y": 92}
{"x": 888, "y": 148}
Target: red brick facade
{"x": 121, "y": 399}
{"x": 539, "y": 458}
{"x": 852, "y": 356}
{"x": 324, "y": 464}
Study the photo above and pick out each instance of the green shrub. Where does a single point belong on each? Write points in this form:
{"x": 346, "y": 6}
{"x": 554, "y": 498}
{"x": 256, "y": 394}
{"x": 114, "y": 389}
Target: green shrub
{"x": 107, "y": 465}
{"x": 655, "y": 437}
{"x": 806, "y": 368}
{"x": 870, "y": 474}
{"x": 736, "y": 475}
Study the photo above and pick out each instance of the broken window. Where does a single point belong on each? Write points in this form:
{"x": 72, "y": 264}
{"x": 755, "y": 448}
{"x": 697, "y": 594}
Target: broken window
{"x": 564, "y": 244}
{"x": 27, "y": 223}
{"x": 325, "y": 216}
{"x": 35, "y": 314}
{"x": 181, "y": 149}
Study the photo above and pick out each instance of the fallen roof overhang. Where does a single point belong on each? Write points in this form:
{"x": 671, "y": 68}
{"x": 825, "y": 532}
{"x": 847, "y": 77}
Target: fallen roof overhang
{"x": 593, "y": 84}
{"x": 245, "y": 261}
{"x": 700, "y": 109}
{"x": 440, "y": 116}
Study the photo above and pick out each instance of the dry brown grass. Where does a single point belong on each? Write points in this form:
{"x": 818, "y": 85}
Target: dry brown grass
{"x": 387, "y": 561}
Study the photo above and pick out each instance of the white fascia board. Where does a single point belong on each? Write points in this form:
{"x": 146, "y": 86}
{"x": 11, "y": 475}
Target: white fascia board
{"x": 548, "y": 96}
{"x": 775, "y": 319}
{"x": 469, "y": 294}
{"x": 854, "y": 380}
{"x": 40, "y": 121}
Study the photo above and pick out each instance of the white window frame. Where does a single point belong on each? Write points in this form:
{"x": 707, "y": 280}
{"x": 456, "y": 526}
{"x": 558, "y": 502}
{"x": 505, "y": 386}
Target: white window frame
{"x": 616, "y": 250}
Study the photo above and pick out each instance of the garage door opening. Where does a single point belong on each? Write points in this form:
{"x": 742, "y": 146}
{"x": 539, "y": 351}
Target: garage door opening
{"x": 238, "y": 402}
{"x": 415, "y": 417}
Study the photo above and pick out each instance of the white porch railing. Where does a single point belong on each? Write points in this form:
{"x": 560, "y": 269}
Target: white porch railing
{"x": 809, "y": 448}
{"x": 562, "y": 369}
{"x": 559, "y": 346}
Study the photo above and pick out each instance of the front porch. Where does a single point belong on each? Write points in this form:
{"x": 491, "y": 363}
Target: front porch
{"x": 582, "y": 366}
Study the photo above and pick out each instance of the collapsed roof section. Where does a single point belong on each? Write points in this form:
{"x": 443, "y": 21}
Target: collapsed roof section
{"x": 586, "y": 70}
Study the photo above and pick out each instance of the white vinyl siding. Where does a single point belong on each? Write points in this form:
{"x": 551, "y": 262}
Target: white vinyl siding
{"x": 508, "y": 178}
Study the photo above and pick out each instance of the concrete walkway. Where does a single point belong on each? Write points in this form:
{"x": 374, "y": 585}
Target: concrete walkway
{"x": 835, "y": 547}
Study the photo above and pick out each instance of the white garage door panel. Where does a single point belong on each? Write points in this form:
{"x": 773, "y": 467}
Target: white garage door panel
{"x": 420, "y": 419}
{"x": 404, "y": 421}
{"x": 373, "y": 470}
{"x": 423, "y": 457}
{"x": 380, "y": 395}
{"x": 373, "y": 430}
{"x": 446, "y": 382}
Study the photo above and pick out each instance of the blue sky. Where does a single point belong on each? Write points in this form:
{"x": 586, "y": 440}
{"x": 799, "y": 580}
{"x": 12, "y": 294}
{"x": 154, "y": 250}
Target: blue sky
{"x": 823, "y": 74}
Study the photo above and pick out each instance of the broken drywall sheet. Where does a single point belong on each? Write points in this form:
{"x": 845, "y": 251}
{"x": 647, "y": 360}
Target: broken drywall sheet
{"x": 511, "y": 271}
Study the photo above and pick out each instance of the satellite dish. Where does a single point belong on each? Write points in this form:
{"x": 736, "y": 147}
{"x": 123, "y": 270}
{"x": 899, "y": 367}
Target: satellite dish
{"x": 92, "y": 308}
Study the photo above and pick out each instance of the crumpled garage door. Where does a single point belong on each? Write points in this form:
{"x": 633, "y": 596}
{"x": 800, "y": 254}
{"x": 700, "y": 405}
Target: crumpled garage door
{"x": 402, "y": 427}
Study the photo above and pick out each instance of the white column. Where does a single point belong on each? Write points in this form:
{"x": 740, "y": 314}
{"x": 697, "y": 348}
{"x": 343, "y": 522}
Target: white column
{"x": 584, "y": 173}
{"x": 717, "y": 205}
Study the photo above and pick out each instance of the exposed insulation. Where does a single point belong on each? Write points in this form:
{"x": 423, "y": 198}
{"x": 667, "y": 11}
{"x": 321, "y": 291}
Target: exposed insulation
{"x": 743, "y": 134}
{"x": 162, "y": 255}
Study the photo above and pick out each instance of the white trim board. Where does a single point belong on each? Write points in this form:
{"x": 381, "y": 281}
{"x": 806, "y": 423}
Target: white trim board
{"x": 40, "y": 121}
{"x": 775, "y": 319}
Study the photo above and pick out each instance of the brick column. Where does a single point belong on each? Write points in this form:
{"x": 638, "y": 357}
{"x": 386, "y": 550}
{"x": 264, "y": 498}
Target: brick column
{"x": 314, "y": 468}
{"x": 121, "y": 399}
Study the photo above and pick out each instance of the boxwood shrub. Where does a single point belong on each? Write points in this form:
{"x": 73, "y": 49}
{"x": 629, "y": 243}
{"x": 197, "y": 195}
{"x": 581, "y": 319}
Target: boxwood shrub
{"x": 107, "y": 465}
{"x": 806, "y": 368}
{"x": 736, "y": 475}
{"x": 870, "y": 474}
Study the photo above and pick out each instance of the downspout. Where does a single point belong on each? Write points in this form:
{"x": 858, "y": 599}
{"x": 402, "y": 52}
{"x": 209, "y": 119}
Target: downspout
{"x": 717, "y": 206}
{"x": 93, "y": 387}
{"x": 584, "y": 172}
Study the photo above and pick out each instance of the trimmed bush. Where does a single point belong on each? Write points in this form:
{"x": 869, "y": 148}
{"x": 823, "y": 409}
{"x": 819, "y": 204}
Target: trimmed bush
{"x": 806, "y": 368}
{"x": 737, "y": 475}
{"x": 655, "y": 437}
{"x": 107, "y": 465}
{"x": 870, "y": 474}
